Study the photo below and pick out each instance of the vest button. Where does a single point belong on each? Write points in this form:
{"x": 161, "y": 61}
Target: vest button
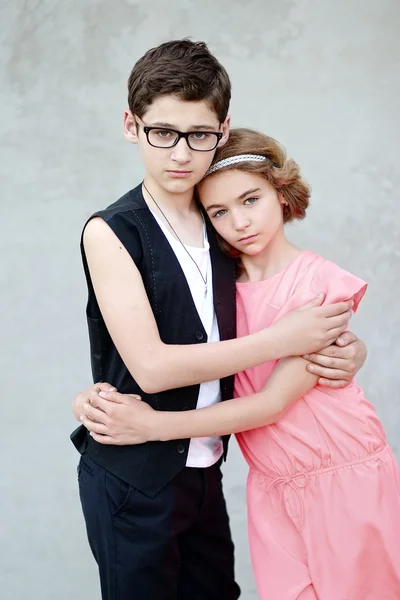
{"x": 199, "y": 335}
{"x": 180, "y": 448}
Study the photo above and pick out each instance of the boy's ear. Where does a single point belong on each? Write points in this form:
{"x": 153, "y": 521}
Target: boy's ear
{"x": 130, "y": 127}
{"x": 226, "y": 125}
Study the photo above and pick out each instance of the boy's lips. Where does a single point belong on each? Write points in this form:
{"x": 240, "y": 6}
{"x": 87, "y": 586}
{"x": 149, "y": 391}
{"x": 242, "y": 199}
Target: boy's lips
{"x": 179, "y": 173}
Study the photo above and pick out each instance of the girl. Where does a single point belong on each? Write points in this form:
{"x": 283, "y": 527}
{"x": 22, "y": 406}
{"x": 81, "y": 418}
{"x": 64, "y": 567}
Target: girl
{"x": 323, "y": 488}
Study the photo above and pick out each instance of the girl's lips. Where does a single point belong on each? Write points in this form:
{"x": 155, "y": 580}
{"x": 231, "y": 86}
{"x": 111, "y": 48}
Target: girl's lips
{"x": 248, "y": 239}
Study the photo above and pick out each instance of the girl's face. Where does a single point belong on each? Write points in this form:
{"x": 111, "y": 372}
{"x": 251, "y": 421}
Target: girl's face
{"x": 244, "y": 209}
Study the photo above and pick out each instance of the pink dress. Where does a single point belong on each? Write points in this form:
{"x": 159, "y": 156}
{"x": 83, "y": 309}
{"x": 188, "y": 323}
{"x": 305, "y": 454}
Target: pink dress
{"x": 323, "y": 489}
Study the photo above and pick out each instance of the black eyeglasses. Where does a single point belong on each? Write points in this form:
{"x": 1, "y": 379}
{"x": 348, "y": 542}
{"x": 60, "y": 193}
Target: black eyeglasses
{"x": 201, "y": 141}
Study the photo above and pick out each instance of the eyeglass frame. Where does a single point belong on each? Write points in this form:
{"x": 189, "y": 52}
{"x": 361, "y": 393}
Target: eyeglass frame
{"x": 181, "y": 134}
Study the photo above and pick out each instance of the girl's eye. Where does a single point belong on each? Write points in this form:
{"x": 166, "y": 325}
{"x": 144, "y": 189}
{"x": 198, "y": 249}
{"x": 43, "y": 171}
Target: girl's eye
{"x": 250, "y": 200}
{"x": 219, "y": 213}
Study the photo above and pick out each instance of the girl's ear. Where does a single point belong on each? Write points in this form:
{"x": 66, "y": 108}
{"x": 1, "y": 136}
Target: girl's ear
{"x": 130, "y": 127}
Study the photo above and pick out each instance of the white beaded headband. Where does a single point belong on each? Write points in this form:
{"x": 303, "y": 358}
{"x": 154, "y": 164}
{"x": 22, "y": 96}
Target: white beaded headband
{"x": 233, "y": 160}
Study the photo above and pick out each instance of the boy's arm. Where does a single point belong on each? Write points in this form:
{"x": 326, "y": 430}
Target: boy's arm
{"x": 157, "y": 366}
{"x": 137, "y": 422}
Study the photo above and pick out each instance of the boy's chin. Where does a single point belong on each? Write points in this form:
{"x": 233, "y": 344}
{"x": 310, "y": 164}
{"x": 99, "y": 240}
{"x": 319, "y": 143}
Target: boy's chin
{"x": 178, "y": 186}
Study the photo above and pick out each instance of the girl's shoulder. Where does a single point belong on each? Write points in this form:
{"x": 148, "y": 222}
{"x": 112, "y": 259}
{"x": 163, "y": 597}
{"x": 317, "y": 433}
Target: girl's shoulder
{"x": 324, "y": 276}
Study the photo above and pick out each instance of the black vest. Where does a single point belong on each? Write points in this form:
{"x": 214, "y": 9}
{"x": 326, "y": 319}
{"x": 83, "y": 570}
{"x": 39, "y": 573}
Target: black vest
{"x": 148, "y": 467}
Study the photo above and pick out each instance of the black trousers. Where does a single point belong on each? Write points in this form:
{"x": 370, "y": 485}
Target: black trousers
{"x": 175, "y": 546}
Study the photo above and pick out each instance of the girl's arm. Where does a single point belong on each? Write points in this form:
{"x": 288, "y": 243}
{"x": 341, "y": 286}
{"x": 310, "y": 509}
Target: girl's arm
{"x": 156, "y": 366}
{"x": 288, "y": 382}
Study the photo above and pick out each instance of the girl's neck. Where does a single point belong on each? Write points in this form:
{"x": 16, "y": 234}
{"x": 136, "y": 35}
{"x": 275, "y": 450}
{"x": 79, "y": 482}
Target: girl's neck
{"x": 272, "y": 260}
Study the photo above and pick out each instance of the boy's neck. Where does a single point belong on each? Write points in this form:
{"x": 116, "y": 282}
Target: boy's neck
{"x": 171, "y": 202}
{"x": 272, "y": 260}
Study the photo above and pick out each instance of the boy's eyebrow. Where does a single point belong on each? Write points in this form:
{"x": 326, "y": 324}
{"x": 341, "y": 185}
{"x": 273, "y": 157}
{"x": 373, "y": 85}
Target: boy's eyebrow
{"x": 205, "y": 127}
{"x": 191, "y": 128}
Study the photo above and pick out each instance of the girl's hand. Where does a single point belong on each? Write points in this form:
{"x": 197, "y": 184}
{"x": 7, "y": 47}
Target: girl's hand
{"x": 119, "y": 419}
{"x": 89, "y": 394}
{"x": 338, "y": 364}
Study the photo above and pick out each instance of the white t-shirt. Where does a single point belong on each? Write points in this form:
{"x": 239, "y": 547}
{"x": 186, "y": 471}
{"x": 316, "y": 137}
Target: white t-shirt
{"x": 206, "y": 451}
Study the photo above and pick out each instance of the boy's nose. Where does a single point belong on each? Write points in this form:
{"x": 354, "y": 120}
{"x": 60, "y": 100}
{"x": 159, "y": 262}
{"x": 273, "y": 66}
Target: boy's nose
{"x": 181, "y": 152}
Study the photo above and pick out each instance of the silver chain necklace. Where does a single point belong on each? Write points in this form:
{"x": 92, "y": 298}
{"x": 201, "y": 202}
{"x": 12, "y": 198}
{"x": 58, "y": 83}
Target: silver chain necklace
{"x": 180, "y": 241}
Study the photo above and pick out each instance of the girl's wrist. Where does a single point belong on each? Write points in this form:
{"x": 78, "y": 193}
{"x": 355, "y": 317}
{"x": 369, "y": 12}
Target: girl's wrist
{"x": 155, "y": 428}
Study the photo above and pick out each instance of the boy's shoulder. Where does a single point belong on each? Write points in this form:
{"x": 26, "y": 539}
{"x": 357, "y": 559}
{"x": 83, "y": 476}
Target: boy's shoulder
{"x": 125, "y": 221}
{"x": 129, "y": 202}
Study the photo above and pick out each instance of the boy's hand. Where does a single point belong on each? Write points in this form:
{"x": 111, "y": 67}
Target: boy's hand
{"x": 312, "y": 326}
{"x": 337, "y": 365}
{"x": 91, "y": 393}
{"x": 119, "y": 419}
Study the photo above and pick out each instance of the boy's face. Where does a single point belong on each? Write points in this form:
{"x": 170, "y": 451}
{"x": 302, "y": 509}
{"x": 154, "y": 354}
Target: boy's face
{"x": 177, "y": 169}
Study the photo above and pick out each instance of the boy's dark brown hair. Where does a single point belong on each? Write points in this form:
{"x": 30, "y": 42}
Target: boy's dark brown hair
{"x": 181, "y": 68}
{"x": 281, "y": 172}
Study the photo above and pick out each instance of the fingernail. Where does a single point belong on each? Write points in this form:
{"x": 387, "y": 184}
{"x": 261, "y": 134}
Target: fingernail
{"x": 112, "y": 389}
{"x": 306, "y": 356}
{"x": 310, "y": 368}
{"x": 340, "y": 340}
{"x": 320, "y": 296}
{"x": 104, "y": 394}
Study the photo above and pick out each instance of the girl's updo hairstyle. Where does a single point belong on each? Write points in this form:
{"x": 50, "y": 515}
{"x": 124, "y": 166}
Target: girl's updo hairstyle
{"x": 281, "y": 172}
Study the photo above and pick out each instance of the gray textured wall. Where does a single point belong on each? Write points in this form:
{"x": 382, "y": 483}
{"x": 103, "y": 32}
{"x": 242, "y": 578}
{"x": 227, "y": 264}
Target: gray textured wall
{"x": 321, "y": 76}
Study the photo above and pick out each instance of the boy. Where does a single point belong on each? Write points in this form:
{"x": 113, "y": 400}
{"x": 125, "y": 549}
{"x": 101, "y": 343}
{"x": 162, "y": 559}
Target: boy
{"x": 159, "y": 290}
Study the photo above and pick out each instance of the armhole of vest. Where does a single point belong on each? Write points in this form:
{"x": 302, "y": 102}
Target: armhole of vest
{"x": 92, "y": 307}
